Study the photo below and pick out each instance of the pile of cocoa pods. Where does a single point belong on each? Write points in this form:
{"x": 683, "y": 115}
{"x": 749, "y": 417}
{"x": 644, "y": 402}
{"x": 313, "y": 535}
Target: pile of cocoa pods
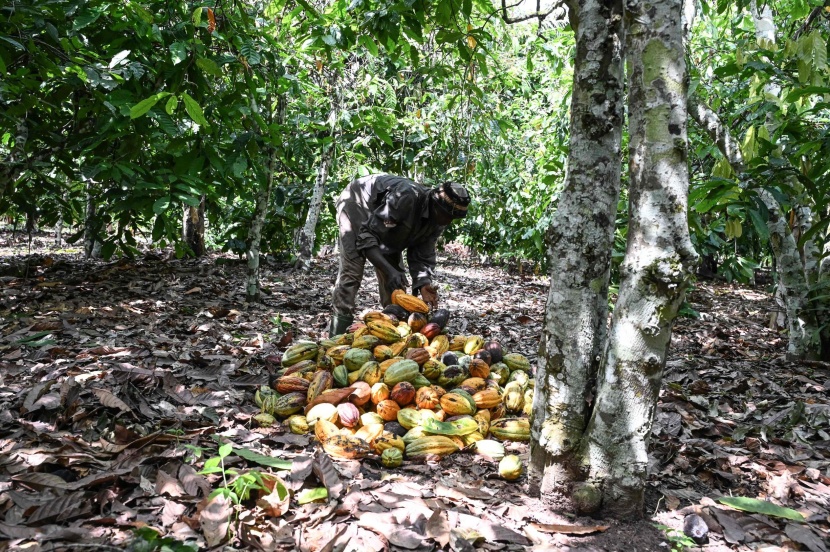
{"x": 398, "y": 386}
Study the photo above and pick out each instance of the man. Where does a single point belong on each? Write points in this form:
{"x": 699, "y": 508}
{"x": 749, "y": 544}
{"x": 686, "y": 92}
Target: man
{"x": 379, "y": 217}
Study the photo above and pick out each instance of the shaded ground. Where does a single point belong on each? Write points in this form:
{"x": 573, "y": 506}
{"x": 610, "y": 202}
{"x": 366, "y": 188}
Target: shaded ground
{"x": 118, "y": 379}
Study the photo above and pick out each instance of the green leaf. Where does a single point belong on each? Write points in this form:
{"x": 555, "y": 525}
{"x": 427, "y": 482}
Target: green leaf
{"x": 178, "y": 51}
{"x": 369, "y": 44}
{"x": 107, "y": 250}
{"x": 799, "y": 93}
{"x": 209, "y": 66}
{"x": 758, "y": 223}
{"x": 143, "y": 106}
{"x": 33, "y": 337}
{"x": 118, "y": 58}
{"x": 225, "y": 450}
{"x": 194, "y": 110}
{"x": 310, "y": 495}
{"x": 262, "y": 460}
{"x": 761, "y": 507}
{"x": 161, "y": 205}
{"x": 13, "y": 42}
{"x": 383, "y": 135}
{"x": 197, "y": 16}
{"x": 467, "y": 8}
{"x": 819, "y": 51}
{"x": 171, "y": 105}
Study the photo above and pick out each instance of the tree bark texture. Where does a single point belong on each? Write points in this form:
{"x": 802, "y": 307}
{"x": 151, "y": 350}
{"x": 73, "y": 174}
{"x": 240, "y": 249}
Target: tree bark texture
{"x": 92, "y": 245}
{"x": 252, "y": 289}
{"x": 580, "y": 245}
{"x": 306, "y": 239}
{"x": 10, "y": 169}
{"x": 658, "y": 262}
{"x": 804, "y": 340}
{"x": 193, "y": 227}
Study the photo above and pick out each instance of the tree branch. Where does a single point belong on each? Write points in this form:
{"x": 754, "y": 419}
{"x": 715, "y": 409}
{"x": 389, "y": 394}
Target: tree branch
{"x": 538, "y": 14}
{"x": 810, "y": 18}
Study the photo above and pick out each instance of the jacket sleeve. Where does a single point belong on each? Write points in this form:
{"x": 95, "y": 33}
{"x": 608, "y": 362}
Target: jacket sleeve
{"x": 422, "y": 260}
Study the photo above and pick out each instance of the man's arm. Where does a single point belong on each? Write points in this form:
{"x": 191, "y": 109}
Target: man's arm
{"x": 395, "y": 278}
{"x": 422, "y": 261}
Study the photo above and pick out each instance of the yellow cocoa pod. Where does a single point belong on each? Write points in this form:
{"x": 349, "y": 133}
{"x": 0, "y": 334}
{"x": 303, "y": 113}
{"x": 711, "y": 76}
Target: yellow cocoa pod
{"x": 510, "y": 467}
{"x": 351, "y": 448}
{"x": 409, "y": 302}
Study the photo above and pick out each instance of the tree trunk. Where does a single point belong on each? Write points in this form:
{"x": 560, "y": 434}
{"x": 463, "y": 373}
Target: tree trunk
{"x": 11, "y": 169}
{"x": 658, "y": 262}
{"x": 580, "y": 244}
{"x": 193, "y": 227}
{"x": 792, "y": 283}
{"x": 252, "y": 288}
{"x": 59, "y": 223}
{"x": 306, "y": 238}
{"x": 92, "y": 245}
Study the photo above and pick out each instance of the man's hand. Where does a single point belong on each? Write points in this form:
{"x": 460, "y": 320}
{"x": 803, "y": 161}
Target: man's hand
{"x": 430, "y": 295}
{"x": 395, "y": 280}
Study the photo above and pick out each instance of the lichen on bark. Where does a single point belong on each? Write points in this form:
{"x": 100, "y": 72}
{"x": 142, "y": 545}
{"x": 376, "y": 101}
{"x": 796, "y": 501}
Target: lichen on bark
{"x": 580, "y": 239}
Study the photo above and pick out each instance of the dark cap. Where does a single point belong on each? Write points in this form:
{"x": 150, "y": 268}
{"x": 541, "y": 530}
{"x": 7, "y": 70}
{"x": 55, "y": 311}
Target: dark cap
{"x": 453, "y": 198}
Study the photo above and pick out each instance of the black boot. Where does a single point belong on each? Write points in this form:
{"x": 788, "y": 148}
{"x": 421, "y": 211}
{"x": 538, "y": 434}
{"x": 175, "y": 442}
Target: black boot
{"x": 339, "y": 324}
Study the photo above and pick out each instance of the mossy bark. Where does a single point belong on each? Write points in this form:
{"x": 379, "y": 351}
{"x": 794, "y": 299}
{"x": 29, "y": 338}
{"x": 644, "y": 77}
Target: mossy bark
{"x": 193, "y": 227}
{"x": 252, "y": 287}
{"x": 804, "y": 341}
{"x": 305, "y": 246}
{"x": 580, "y": 244}
{"x": 658, "y": 262}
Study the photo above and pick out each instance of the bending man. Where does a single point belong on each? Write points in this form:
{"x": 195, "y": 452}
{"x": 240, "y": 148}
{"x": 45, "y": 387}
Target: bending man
{"x": 379, "y": 217}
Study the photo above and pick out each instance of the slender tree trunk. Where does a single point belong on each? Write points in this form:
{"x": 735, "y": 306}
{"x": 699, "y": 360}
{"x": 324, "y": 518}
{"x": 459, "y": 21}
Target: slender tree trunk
{"x": 658, "y": 262}
{"x": 252, "y": 288}
{"x": 10, "y": 170}
{"x": 804, "y": 339}
{"x": 59, "y": 223}
{"x": 92, "y": 245}
{"x": 193, "y": 227}
{"x": 581, "y": 241}
{"x": 306, "y": 238}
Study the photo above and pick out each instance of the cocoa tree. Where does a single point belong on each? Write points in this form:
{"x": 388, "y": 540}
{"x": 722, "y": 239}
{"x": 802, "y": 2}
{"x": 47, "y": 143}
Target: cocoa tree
{"x": 581, "y": 240}
{"x": 612, "y": 451}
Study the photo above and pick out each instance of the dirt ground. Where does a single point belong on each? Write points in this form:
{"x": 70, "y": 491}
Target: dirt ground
{"x": 118, "y": 379}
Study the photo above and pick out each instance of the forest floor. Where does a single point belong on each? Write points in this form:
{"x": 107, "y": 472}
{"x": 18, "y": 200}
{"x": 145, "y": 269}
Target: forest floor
{"x": 118, "y": 380}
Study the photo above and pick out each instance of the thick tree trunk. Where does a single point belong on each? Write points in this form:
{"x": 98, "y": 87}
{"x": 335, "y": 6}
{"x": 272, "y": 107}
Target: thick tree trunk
{"x": 305, "y": 246}
{"x": 252, "y": 289}
{"x": 581, "y": 241}
{"x": 658, "y": 263}
{"x": 193, "y": 227}
{"x": 804, "y": 339}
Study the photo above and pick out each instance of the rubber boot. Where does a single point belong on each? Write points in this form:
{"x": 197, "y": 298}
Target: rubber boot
{"x": 339, "y": 324}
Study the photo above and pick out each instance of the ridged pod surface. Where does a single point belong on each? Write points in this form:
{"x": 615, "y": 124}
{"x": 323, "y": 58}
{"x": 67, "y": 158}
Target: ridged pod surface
{"x": 321, "y": 381}
{"x": 511, "y": 429}
{"x": 384, "y": 330}
{"x": 350, "y": 448}
{"x": 403, "y": 370}
{"x": 391, "y": 458}
{"x": 304, "y": 350}
{"x": 516, "y": 361}
{"x": 409, "y": 302}
{"x": 437, "y": 445}
{"x": 456, "y": 403}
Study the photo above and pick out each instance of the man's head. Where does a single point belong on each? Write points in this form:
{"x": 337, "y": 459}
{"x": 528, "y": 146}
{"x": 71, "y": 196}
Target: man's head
{"x": 449, "y": 201}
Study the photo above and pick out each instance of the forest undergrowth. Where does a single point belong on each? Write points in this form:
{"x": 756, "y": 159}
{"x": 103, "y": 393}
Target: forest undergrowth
{"x": 119, "y": 381}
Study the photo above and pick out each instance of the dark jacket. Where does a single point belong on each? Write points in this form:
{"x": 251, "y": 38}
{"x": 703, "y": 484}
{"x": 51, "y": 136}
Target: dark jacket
{"x": 407, "y": 204}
